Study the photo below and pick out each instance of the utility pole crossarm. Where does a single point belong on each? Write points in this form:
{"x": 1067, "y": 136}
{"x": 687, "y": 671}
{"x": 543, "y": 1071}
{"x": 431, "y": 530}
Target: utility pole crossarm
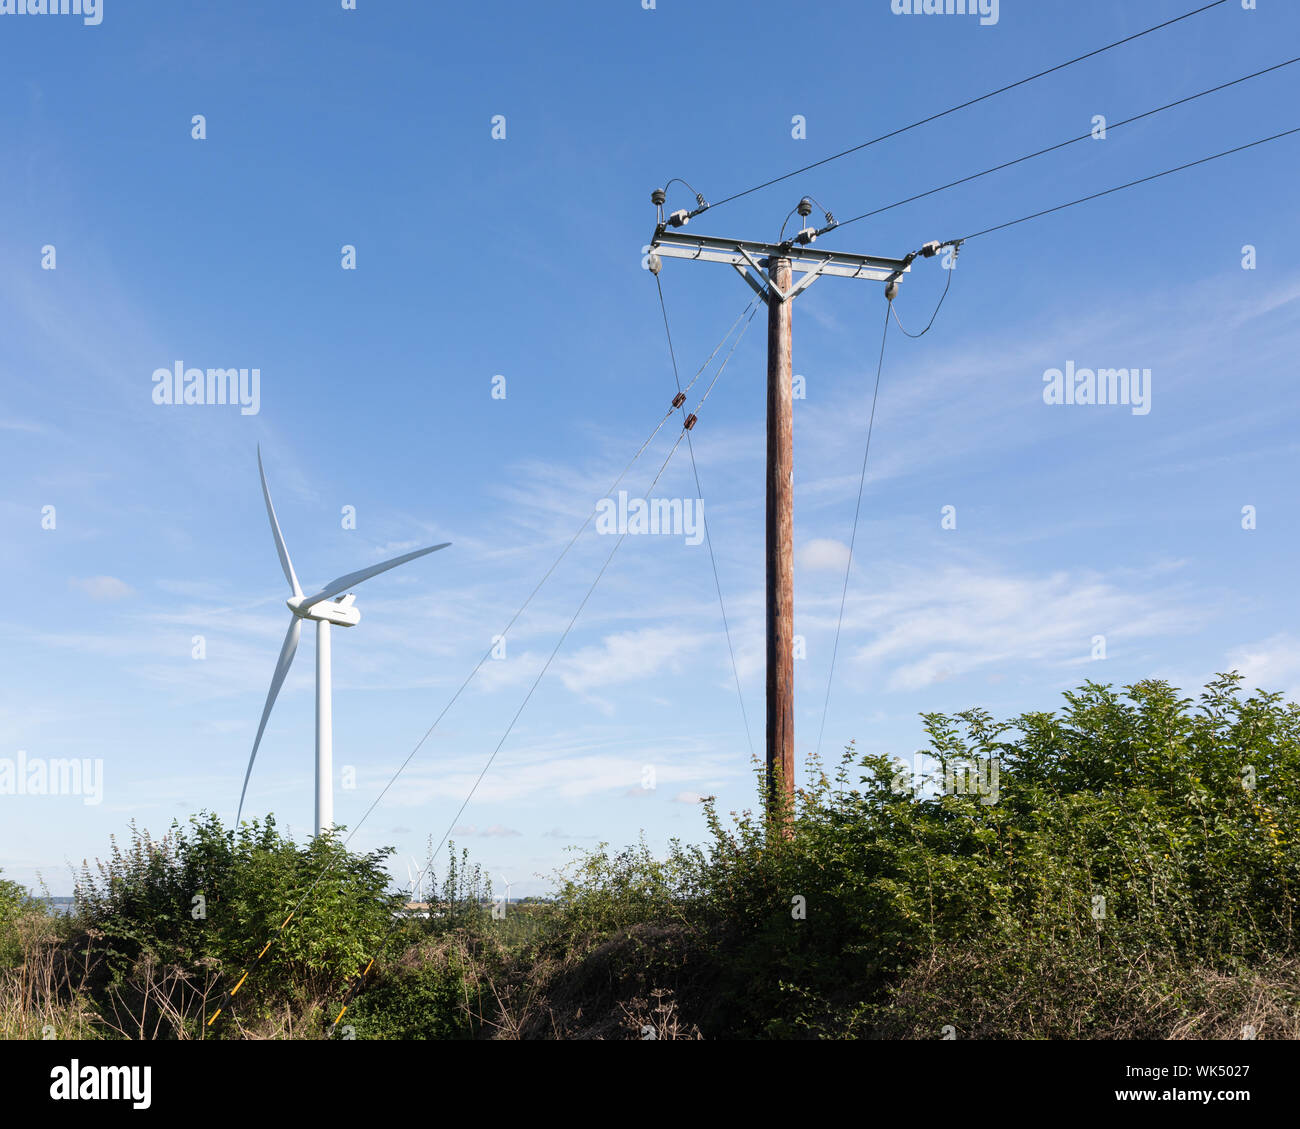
{"x": 742, "y": 252}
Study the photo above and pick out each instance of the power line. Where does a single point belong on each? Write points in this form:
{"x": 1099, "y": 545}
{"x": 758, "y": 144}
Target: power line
{"x": 848, "y": 565}
{"x": 963, "y": 105}
{"x": 1121, "y": 187}
{"x": 704, "y": 517}
{"x": 884, "y": 336}
{"x": 717, "y": 584}
{"x": 1058, "y": 146}
{"x": 930, "y": 325}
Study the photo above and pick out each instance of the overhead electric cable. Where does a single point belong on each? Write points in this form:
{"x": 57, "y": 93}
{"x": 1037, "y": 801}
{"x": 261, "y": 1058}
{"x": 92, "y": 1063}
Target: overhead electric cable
{"x": 704, "y": 517}
{"x": 1122, "y": 187}
{"x": 930, "y": 325}
{"x": 963, "y": 105}
{"x": 853, "y": 539}
{"x": 1054, "y": 148}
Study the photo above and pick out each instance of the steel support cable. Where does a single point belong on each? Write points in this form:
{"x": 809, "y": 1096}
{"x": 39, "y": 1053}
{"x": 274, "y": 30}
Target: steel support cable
{"x": 723, "y": 367}
{"x": 246, "y": 972}
{"x": 964, "y": 105}
{"x": 685, "y": 431}
{"x": 1122, "y": 187}
{"x": 437, "y": 720}
{"x": 541, "y": 674}
{"x": 704, "y": 517}
{"x": 716, "y": 349}
{"x": 1058, "y": 146}
{"x": 853, "y": 539}
{"x": 360, "y": 979}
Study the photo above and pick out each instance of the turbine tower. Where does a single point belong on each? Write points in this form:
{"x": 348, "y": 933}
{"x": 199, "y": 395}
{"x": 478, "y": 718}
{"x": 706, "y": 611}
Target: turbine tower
{"x": 326, "y": 608}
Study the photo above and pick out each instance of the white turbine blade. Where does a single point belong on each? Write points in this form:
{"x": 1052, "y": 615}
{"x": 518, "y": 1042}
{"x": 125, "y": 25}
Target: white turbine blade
{"x": 334, "y": 587}
{"x": 280, "y": 546}
{"x": 277, "y": 680}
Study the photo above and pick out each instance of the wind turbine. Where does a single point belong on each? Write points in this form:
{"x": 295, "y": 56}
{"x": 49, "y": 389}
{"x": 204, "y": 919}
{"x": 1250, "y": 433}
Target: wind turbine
{"x": 325, "y": 608}
{"x": 415, "y": 887}
{"x": 416, "y": 879}
{"x": 508, "y": 885}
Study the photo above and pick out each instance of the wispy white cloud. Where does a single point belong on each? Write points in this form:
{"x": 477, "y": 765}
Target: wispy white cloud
{"x": 630, "y": 656}
{"x": 822, "y": 553}
{"x": 103, "y": 587}
{"x": 960, "y": 619}
{"x": 1269, "y": 664}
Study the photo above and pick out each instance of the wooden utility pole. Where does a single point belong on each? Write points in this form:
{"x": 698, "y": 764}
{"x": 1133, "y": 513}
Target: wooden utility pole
{"x": 769, "y": 270}
{"x": 780, "y": 535}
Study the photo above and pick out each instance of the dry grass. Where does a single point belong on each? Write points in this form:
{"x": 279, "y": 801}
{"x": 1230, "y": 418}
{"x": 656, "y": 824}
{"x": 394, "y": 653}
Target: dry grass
{"x": 44, "y": 996}
{"x": 659, "y": 1020}
{"x": 1066, "y": 997}
{"x": 1261, "y": 1004}
{"x": 586, "y": 988}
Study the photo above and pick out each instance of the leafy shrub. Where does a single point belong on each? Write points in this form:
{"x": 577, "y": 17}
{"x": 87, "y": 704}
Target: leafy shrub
{"x": 420, "y": 1001}
{"x": 15, "y": 904}
{"x": 205, "y": 900}
{"x": 1136, "y": 836}
{"x": 1130, "y": 832}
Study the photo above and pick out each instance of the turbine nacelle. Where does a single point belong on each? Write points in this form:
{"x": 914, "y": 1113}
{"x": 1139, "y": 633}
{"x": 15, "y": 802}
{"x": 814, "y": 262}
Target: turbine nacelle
{"x": 339, "y": 611}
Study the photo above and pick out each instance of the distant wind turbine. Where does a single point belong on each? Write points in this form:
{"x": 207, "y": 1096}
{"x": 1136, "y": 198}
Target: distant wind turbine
{"x": 326, "y": 607}
{"x": 416, "y": 879}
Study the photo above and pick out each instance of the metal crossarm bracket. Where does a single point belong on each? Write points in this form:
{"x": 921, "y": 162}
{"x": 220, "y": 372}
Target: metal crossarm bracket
{"x": 759, "y": 287}
{"x": 806, "y": 281}
{"x": 762, "y": 285}
{"x": 750, "y": 260}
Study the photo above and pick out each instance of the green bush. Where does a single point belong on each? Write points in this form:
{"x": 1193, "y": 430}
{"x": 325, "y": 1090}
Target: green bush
{"x": 421, "y": 1002}
{"x": 1129, "y": 830}
{"x": 204, "y": 900}
{"x": 1133, "y": 834}
{"x": 15, "y": 904}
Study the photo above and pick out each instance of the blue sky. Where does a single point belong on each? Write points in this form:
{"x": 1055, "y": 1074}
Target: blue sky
{"x": 521, "y": 257}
